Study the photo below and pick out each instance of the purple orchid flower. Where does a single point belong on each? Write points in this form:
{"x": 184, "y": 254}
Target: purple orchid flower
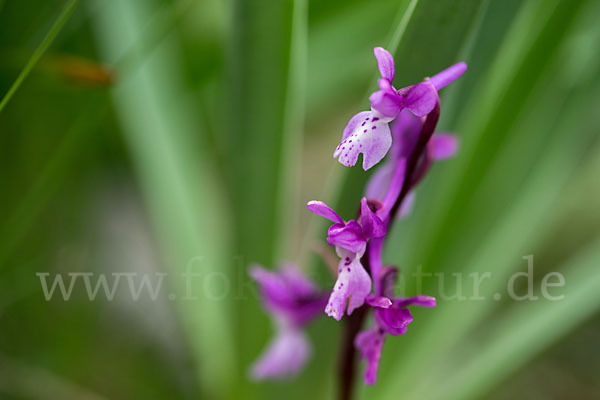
{"x": 405, "y": 130}
{"x": 368, "y": 132}
{"x": 390, "y": 318}
{"x": 293, "y": 301}
{"x": 350, "y": 239}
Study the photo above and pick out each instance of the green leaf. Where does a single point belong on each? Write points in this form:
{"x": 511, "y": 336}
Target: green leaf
{"x": 527, "y": 330}
{"x": 41, "y": 49}
{"x": 175, "y": 174}
{"x": 264, "y": 119}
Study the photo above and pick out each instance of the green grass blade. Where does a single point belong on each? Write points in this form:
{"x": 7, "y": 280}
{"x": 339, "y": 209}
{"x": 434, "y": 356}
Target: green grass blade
{"x": 68, "y": 9}
{"x": 265, "y": 113}
{"x": 183, "y": 199}
{"x": 529, "y": 329}
{"x": 50, "y": 180}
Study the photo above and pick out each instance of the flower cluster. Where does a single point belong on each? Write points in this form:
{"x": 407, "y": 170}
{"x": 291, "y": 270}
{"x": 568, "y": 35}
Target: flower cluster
{"x": 401, "y": 125}
{"x": 293, "y": 301}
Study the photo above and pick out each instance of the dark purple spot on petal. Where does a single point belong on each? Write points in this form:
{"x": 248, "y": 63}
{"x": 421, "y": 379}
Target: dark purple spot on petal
{"x": 348, "y": 269}
{"x": 366, "y": 119}
{"x": 375, "y": 119}
{"x": 365, "y": 131}
{"x": 363, "y": 124}
{"x": 374, "y": 127}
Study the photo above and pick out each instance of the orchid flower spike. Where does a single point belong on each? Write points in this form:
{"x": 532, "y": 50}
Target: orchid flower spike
{"x": 350, "y": 239}
{"x": 368, "y": 132}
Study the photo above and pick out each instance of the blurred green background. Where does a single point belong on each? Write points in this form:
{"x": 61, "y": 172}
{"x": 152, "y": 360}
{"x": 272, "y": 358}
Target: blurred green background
{"x": 163, "y": 136}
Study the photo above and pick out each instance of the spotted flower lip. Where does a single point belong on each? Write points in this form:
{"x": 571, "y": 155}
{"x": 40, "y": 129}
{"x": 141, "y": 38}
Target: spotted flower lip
{"x": 353, "y": 283}
{"x": 368, "y": 132}
{"x": 351, "y": 288}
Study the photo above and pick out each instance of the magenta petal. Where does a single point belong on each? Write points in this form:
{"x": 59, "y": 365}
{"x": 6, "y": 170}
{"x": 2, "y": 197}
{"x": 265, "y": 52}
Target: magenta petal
{"x": 376, "y": 144}
{"x": 276, "y": 291}
{"x": 421, "y": 99}
{"x": 387, "y": 278}
{"x": 322, "y": 209}
{"x": 405, "y": 132}
{"x": 407, "y": 205}
{"x": 348, "y": 236}
{"x": 378, "y": 301}
{"x": 379, "y": 181}
{"x": 297, "y": 281}
{"x": 448, "y": 75}
{"x": 284, "y": 357}
{"x": 372, "y": 225}
{"x": 385, "y": 85}
{"x": 395, "y": 187}
{"x": 442, "y": 146}
{"x": 385, "y": 102}
{"x": 394, "y": 319}
{"x": 371, "y": 137}
{"x": 355, "y": 120}
{"x": 423, "y": 301}
{"x": 288, "y": 294}
{"x": 353, "y": 285}
{"x": 385, "y": 62}
{"x": 370, "y": 343}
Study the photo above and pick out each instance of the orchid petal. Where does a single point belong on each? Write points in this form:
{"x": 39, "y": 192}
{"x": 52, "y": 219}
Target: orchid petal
{"x": 442, "y": 146}
{"x": 423, "y": 301}
{"x": 386, "y": 102}
{"x": 355, "y": 120}
{"x": 274, "y": 289}
{"x": 372, "y": 138}
{"x": 394, "y": 319}
{"x": 300, "y": 284}
{"x": 284, "y": 357}
{"x": 348, "y": 236}
{"x": 322, "y": 209}
{"x": 288, "y": 294}
{"x": 387, "y": 278}
{"x": 370, "y": 343}
{"x": 385, "y": 63}
{"x": 385, "y": 85}
{"x": 378, "y": 301}
{"x": 379, "y": 181}
{"x": 352, "y": 286}
{"x": 421, "y": 99}
{"x": 448, "y": 75}
{"x": 405, "y": 132}
{"x": 372, "y": 225}
{"x": 407, "y": 205}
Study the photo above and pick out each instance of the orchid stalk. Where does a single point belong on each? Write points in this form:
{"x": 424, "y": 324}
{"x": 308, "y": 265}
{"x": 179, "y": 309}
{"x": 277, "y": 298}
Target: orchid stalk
{"x": 400, "y": 126}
